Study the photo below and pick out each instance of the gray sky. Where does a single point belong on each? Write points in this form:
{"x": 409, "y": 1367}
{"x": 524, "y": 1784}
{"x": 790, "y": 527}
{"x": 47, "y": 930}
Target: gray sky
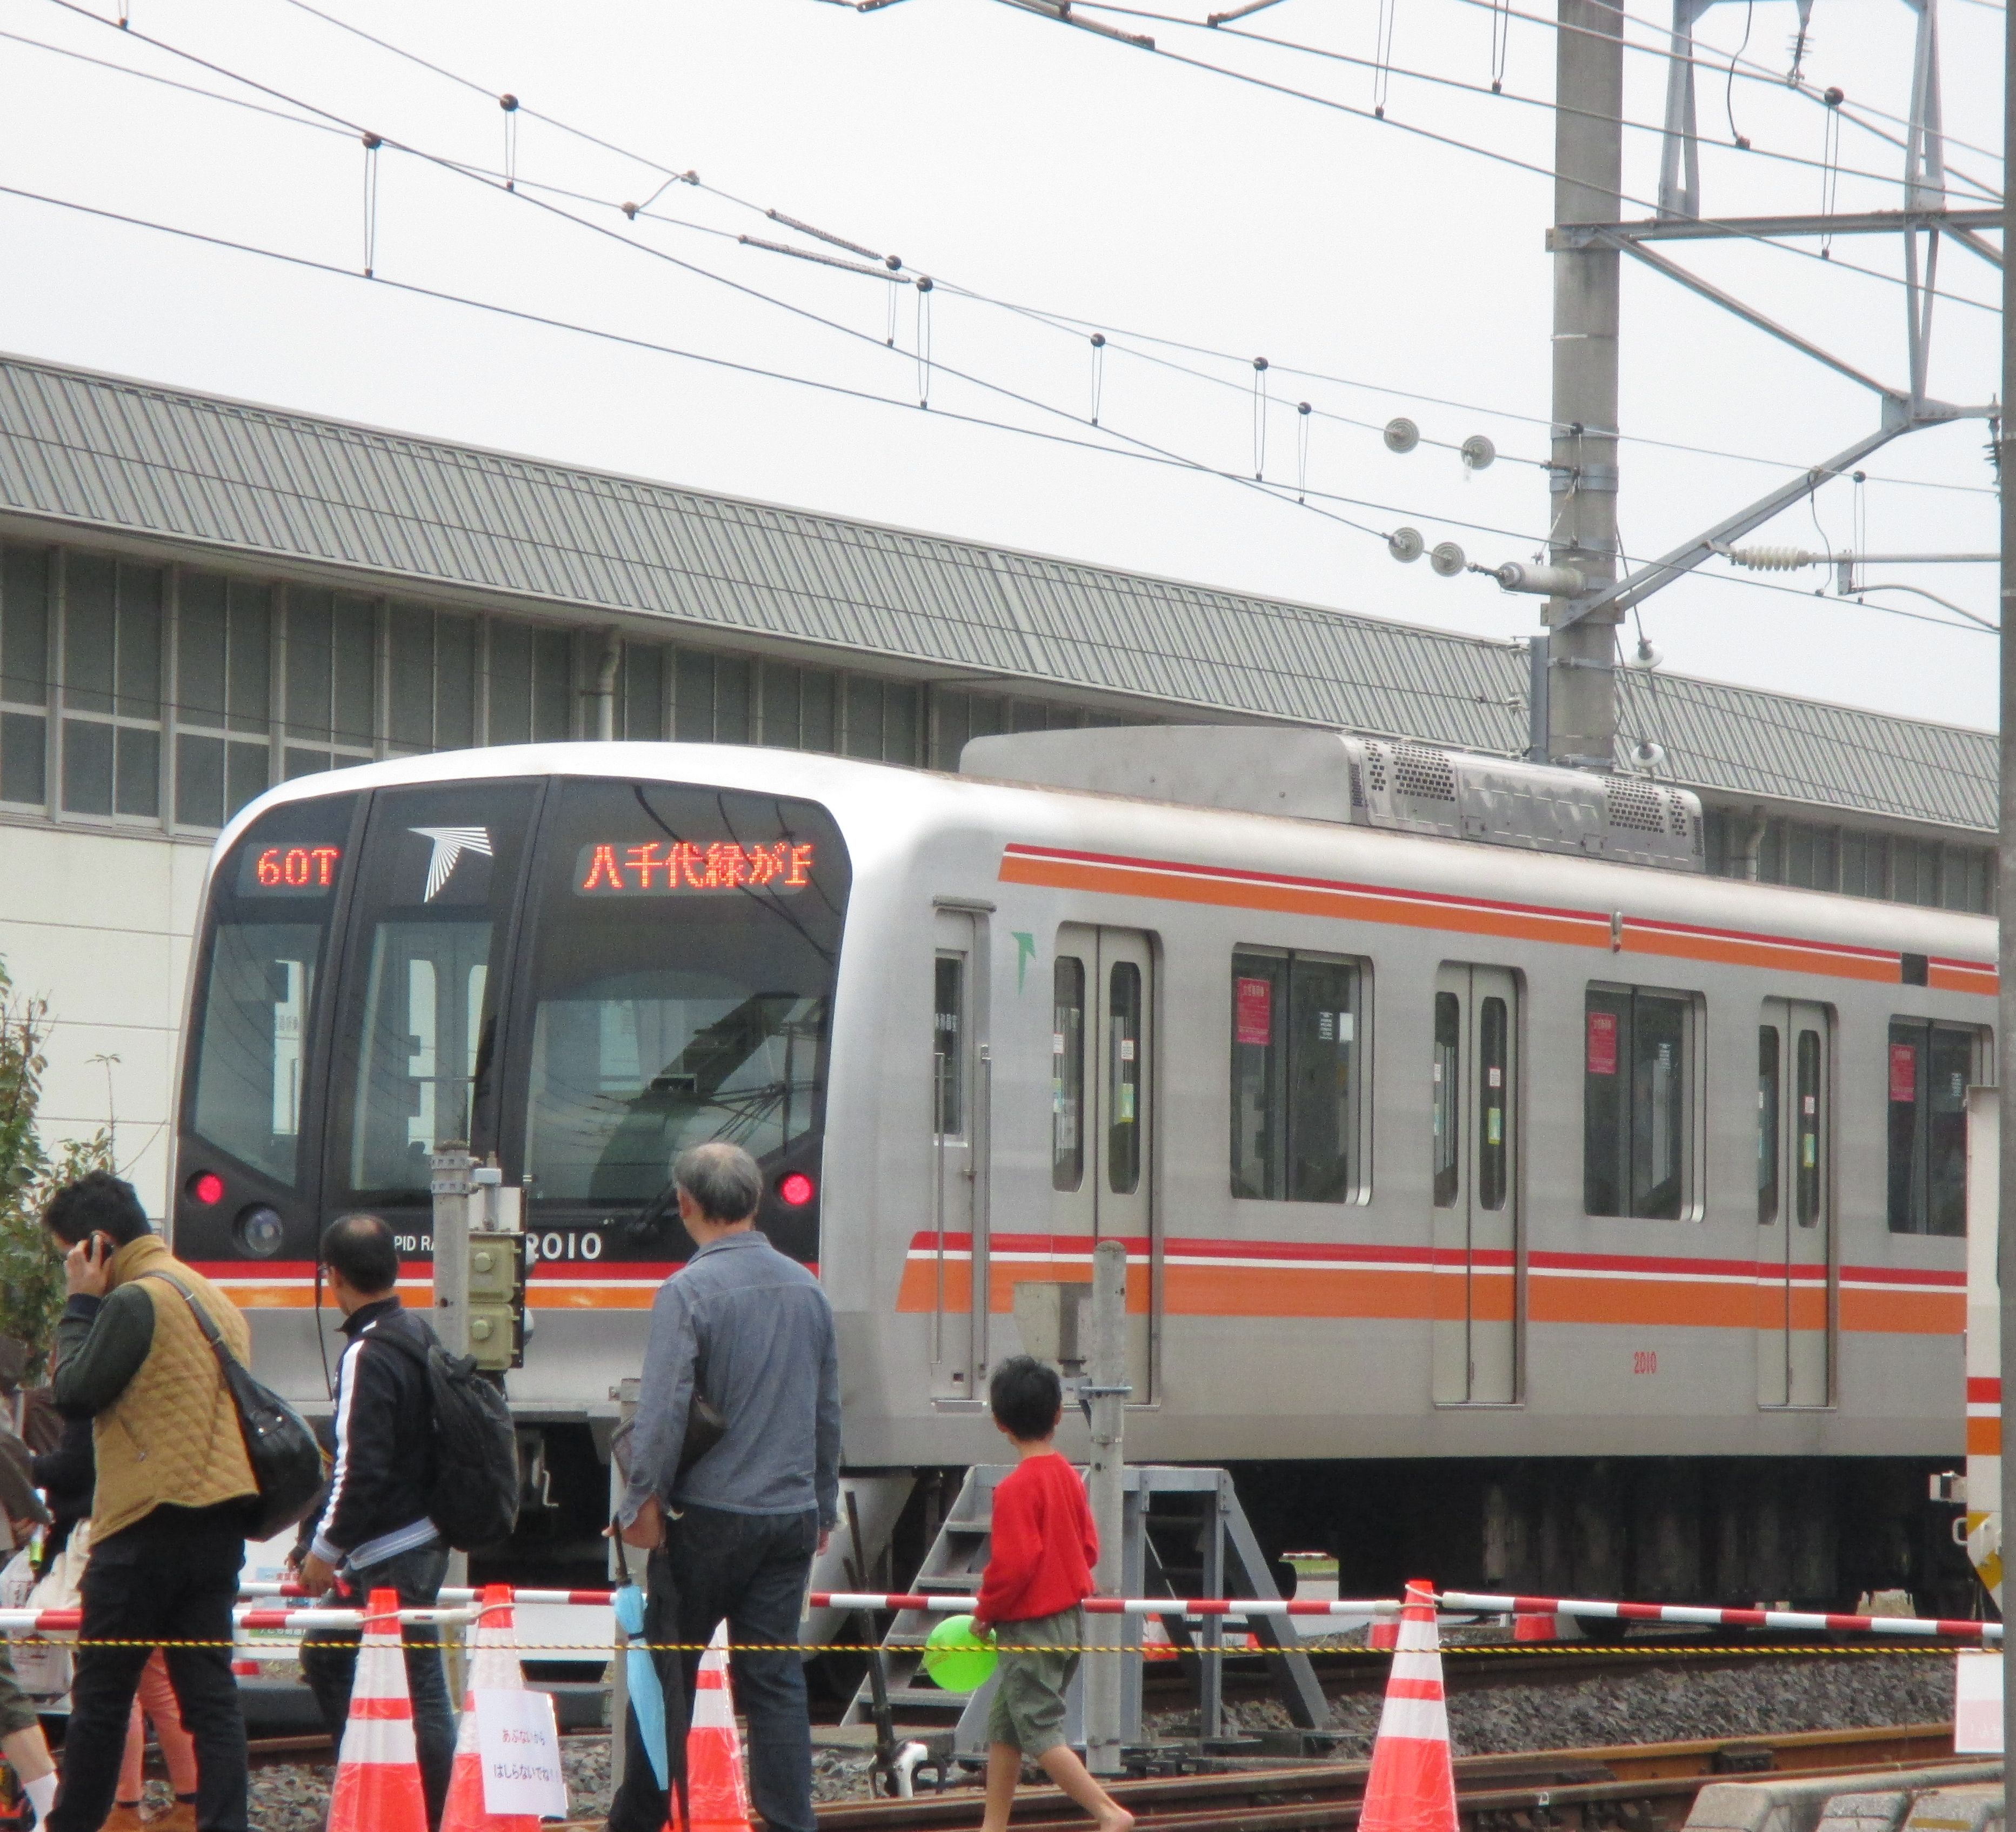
{"x": 1022, "y": 163}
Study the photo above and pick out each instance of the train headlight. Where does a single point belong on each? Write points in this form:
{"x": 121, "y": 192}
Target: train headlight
{"x": 207, "y": 1188}
{"x": 795, "y": 1190}
{"x": 260, "y": 1231}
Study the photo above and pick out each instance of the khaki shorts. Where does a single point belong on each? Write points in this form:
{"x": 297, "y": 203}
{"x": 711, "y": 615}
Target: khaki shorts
{"x": 15, "y": 1711}
{"x": 1028, "y": 1712}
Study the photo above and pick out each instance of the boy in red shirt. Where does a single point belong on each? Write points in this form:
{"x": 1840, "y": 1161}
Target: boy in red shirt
{"x": 1038, "y": 1572}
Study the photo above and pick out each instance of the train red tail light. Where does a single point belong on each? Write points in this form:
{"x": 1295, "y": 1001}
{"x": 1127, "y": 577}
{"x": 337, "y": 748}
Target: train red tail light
{"x": 207, "y": 1188}
{"x": 795, "y": 1190}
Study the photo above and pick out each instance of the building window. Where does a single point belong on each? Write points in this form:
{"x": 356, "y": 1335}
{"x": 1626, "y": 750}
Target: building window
{"x": 1929, "y": 1069}
{"x": 1639, "y": 1108}
{"x": 641, "y": 692}
{"x": 884, "y": 719}
{"x": 331, "y": 680}
{"x": 712, "y": 704}
{"x": 112, "y": 687}
{"x": 1296, "y": 1094}
{"x": 531, "y": 684}
{"x": 224, "y": 691}
{"x": 24, "y": 675}
{"x": 1936, "y": 874}
{"x": 431, "y": 698}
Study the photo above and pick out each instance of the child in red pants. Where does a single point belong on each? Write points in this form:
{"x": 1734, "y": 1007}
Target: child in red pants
{"x": 1038, "y": 1572}
{"x": 156, "y": 1698}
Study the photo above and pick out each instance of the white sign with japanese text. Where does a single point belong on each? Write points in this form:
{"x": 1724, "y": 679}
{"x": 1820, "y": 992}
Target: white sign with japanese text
{"x": 518, "y": 1743}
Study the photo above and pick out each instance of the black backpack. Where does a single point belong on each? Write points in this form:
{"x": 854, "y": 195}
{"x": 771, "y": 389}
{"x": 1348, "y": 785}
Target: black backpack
{"x": 474, "y": 1499}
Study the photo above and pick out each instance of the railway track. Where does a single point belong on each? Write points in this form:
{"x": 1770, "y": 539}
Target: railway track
{"x": 1641, "y": 1787}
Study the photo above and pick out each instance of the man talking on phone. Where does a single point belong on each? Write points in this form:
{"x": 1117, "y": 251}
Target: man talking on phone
{"x": 169, "y": 1514}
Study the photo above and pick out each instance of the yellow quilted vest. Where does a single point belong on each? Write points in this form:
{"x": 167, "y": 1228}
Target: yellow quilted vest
{"x": 173, "y": 1436}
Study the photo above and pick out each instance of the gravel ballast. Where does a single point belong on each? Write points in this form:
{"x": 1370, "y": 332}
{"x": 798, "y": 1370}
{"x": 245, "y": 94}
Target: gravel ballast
{"x": 1761, "y": 1695}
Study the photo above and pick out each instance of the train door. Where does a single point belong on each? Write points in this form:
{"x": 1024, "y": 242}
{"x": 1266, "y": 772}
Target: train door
{"x": 1102, "y": 1125}
{"x": 1795, "y": 1203}
{"x": 958, "y": 1197}
{"x": 1474, "y": 1087}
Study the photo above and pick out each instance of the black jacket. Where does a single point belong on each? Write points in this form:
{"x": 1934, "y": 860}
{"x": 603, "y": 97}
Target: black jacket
{"x": 384, "y": 1447}
{"x": 67, "y": 1475}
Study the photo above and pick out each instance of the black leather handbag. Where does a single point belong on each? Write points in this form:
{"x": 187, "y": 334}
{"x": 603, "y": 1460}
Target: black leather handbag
{"x": 289, "y": 1465}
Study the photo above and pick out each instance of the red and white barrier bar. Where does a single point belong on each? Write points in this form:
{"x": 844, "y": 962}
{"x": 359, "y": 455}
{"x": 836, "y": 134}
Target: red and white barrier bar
{"x": 1117, "y": 1606}
{"x": 26, "y": 1621}
{"x": 1924, "y": 1628}
{"x": 449, "y": 1594}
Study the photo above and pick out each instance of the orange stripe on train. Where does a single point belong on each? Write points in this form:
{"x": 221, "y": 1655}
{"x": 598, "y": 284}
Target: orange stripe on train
{"x": 1169, "y": 881}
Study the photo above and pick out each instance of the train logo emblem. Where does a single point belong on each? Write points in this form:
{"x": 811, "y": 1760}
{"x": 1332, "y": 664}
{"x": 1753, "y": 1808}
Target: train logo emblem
{"x": 449, "y": 844}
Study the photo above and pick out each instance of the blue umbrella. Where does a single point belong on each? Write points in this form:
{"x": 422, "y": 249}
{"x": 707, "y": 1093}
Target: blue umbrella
{"x": 647, "y": 1698}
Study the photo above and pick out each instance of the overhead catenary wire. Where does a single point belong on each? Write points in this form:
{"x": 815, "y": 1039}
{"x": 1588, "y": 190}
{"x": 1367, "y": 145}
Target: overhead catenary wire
{"x": 499, "y": 176}
{"x": 1176, "y": 458}
{"x": 1661, "y": 48}
{"x": 596, "y": 140}
{"x": 625, "y": 340}
{"x": 1735, "y": 231}
{"x": 1988, "y": 194}
{"x": 671, "y": 176}
{"x": 1436, "y": 80}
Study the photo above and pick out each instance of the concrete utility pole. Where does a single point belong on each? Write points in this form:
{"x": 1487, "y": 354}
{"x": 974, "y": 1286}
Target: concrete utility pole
{"x": 1589, "y": 163}
{"x": 2005, "y": 907}
{"x": 1105, "y": 1482}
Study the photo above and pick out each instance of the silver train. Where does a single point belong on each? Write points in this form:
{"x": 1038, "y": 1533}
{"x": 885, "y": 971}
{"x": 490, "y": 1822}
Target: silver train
{"x": 1540, "y": 1211}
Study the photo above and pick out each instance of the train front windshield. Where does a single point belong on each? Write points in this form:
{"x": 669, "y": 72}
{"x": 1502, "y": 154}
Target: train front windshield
{"x": 584, "y": 977}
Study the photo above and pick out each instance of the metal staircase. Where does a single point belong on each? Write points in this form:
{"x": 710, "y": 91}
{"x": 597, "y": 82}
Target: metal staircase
{"x": 1183, "y": 1527}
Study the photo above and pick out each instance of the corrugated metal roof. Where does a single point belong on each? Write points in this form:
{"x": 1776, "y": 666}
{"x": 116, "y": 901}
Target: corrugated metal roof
{"x": 104, "y": 452}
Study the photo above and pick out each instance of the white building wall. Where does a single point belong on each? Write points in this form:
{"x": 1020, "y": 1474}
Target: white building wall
{"x": 98, "y": 924}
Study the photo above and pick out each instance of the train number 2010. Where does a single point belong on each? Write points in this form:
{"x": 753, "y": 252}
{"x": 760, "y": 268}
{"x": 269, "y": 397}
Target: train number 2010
{"x": 1644, "y": 1361}
{"x": 585, "y": 1245}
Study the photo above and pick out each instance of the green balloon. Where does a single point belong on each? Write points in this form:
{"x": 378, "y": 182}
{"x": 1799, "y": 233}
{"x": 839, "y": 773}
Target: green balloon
{"x": 957, "y": 1659}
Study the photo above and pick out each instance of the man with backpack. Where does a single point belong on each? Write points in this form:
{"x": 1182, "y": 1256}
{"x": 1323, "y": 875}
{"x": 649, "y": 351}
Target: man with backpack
{"x": 374, "y": 1530}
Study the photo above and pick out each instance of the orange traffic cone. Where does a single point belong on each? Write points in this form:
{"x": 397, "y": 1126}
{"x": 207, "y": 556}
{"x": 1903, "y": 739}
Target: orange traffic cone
{"x": 1412, "y": 1787}
{"x": 378, "y": 1772}
{"x": 494, "y": 1668}
{"x": 717, "y": 1791}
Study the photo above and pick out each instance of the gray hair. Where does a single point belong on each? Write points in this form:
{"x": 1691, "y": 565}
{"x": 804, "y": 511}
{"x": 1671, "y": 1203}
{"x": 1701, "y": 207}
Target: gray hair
{"x": 722, "y": 1179}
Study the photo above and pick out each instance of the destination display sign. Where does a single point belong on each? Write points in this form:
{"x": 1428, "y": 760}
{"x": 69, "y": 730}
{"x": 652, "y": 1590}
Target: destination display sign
{"x": 684, "y": 867}
{"x": 285, "y": 870}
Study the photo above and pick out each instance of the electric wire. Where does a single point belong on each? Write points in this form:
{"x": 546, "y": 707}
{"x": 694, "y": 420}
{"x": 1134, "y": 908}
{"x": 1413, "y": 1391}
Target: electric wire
{"x": 737, "y": 286}
{"x": 502, "y": 179}
{"x": 1494, "y": 90}
{"x": 1146, "y": 447}
{"x": 1734, "y": 232}
{"x": 599, "y": 333}
{"x": 1755, "y": 74}
{"x": 671, "y": 176}
{"x": 1749, "y": 72}
{"x": 1063, "y": 320}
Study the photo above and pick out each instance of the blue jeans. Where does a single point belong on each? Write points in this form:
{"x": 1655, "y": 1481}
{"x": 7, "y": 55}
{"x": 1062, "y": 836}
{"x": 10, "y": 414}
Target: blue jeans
{"x": 328, "y": 1663}
{"x": 749, "y": 1570}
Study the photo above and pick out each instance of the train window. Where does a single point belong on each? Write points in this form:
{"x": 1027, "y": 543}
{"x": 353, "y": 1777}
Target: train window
{"x": 685, "y": 946}
{"x": 1296, "y": 1095}
{"x": 1768, "y": 1094}
{"x": 1446, "y": 1102}
{"x": 1493, "y": 1047}
{"x": 252, "y": 1024}
{"x": 1806, "y": 1128}
{"x": 1637, "y": 1104}
{"x": 1929, "y": 1068}
{"x": 1123, "y": 1078}
{"x": 1067, "y": 1073}
{"x": 439, "y": 874}
{"x": 948, "y": 1057}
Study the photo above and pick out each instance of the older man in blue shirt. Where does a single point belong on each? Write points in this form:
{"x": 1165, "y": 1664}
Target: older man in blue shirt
{"x": 732, "y": 1535}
